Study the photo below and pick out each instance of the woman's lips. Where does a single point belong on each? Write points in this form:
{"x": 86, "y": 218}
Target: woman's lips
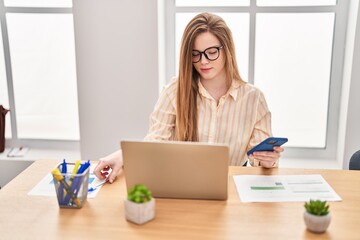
{"x": 205, "y": 70}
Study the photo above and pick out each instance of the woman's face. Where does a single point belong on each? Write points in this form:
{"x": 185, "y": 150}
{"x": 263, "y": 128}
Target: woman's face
{"x": 209, "y": 70}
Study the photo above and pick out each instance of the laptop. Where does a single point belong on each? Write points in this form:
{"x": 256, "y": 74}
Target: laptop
{"x": 173, "y": 169}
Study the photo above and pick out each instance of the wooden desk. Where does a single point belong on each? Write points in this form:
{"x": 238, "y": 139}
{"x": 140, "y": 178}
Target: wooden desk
{"x": 29, "y": 217}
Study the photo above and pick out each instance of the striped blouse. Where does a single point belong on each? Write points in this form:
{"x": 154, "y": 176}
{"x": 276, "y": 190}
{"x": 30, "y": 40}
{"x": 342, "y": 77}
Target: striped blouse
{"x": 241, "y": 119}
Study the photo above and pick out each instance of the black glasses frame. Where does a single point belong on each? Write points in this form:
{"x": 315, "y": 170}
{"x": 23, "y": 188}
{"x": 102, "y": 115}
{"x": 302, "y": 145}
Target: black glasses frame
{"x": 207, "y": 57}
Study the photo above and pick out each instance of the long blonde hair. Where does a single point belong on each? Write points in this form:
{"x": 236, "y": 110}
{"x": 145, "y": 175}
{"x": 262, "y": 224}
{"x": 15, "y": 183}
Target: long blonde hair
{"x": 186, "y": 106}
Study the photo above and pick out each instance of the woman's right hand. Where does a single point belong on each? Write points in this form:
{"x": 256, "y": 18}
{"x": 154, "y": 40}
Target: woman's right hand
{"x": 111, "y": 162}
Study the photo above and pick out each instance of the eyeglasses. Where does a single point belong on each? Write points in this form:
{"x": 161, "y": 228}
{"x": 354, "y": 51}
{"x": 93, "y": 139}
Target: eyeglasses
{"x": 211, "y": 53}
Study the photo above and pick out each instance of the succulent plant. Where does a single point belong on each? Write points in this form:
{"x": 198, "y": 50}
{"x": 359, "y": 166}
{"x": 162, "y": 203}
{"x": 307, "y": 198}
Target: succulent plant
{"x": 139, "y": 194}
{"x": 317, "y": 207}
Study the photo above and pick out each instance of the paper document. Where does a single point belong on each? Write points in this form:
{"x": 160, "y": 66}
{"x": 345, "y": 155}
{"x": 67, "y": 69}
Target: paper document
{"x": 46, "y": 186}
{"x": 284, "y": 188}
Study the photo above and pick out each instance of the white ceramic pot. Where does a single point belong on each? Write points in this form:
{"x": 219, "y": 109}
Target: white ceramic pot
{"x": 139, "y": 213}
{"x": 317, "y": 224}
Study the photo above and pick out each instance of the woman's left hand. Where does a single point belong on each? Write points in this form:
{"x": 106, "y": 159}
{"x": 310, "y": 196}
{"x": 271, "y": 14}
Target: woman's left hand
{"x": 267, "y": 159}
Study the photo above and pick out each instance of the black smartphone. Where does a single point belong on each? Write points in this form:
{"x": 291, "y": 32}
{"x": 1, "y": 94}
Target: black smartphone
{"x": 268, "y": 144}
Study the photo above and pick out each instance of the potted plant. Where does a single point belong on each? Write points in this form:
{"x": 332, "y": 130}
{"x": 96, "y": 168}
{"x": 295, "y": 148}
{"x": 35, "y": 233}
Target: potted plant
{"x": 139, "y": 205}
{"x": 317, "y": 217}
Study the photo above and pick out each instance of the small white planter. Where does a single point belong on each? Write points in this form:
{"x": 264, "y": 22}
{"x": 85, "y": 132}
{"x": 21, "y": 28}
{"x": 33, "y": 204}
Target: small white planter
{"x": 139, "y": 213}
{"x": 317, "y": 224}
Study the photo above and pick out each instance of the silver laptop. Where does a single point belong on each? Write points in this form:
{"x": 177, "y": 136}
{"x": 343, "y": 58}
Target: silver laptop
{"x": 177, "y": 169}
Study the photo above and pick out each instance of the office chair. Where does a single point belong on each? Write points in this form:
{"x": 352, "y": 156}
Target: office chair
{"x": 354, "y": 163}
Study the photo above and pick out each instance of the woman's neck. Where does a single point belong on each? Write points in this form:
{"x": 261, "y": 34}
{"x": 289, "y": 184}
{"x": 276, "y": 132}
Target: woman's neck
{"x": 215, "y": 87}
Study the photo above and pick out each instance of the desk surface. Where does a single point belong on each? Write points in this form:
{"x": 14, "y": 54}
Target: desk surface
{"x": 35, "y": 217}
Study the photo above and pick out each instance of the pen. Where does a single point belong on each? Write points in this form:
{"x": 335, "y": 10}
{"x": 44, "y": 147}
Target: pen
{"x": 63, "y": 167}
{"x": 77, "y": 182}
{"x": 75, "y": 170}
{"x": 57, "y": 175}
{"x": 63, "y": 171}
{"x": 76, "y": 167}
{"x": 95, "y": 187}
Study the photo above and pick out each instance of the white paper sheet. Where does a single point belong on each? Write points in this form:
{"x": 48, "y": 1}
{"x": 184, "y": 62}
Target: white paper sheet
{"x": 46, "y": 186}
{"x": 284, "y": 188}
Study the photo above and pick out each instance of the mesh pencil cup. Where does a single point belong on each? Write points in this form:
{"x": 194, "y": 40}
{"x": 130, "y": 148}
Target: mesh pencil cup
{"x": 71, "y": 189}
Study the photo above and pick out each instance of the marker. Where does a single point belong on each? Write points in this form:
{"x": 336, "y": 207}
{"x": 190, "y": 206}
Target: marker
{"x": 57, "y": 175}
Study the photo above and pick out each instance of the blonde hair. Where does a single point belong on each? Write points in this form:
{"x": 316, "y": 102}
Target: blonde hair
{"x": 186, "y": 107}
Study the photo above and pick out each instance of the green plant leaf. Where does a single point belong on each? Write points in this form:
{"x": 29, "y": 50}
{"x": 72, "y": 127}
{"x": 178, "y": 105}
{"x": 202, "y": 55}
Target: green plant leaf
{"x": 317, "y": 207}
{"x": 139, "y": 194}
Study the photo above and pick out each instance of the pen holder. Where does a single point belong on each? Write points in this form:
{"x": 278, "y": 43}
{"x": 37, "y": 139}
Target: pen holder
{"x": 71, "y": 189}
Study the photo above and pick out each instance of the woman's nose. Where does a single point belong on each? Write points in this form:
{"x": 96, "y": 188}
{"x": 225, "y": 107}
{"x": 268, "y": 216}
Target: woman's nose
{"x": 204, "y": 59}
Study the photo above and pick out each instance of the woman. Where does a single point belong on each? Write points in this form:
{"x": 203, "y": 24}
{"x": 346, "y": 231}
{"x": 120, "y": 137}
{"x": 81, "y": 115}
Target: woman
{"x": 208, "y": 101}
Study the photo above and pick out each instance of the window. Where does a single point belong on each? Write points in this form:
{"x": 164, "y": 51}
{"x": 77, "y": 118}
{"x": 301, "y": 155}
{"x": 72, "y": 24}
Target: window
{"x": 38, "y": 73}
{"x": 297, "y": 45}
{"x": 292, "y": 57}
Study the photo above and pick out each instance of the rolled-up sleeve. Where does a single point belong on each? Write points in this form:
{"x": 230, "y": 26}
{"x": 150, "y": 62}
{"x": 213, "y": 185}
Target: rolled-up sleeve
{"x": 162, "y": 119}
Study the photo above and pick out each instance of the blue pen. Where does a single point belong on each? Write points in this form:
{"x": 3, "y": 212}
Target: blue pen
{"x": 74, "y": 182}
{"x": 64, "y": 168}
{"x": 81, "y": 170}
{"x": 95, "y": 187}
{"x": 79, "y": 182}
{"x": 61, "y": 188}
{"x": 83, "y": 167}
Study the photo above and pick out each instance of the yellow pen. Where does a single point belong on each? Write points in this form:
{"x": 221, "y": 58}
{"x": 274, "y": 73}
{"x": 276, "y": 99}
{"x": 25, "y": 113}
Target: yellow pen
{"x": 75, "y": 170}
{"x": 57, "y": 175}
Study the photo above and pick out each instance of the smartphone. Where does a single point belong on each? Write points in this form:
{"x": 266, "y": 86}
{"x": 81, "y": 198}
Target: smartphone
{"x": 268, "y": 144}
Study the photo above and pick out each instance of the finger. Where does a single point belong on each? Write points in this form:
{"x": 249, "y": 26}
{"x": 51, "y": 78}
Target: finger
{"x": 105, "y": 174}
{"x": 262, "y": 159}
{"x": 114, "y": 174}
{"x": 267, "y": 164}
{"x": 279, "y": 149}
{"x": 106, "y": 168}
{"x": 268, "y": 159}
{"x": 265, "y": 153}
{"x": 267, "y": 156}
{"x": 99, "y": 168}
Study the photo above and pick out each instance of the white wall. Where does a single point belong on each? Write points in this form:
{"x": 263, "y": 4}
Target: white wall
{"x": 349, "y": 131}
{"x": 117, "y": 71}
